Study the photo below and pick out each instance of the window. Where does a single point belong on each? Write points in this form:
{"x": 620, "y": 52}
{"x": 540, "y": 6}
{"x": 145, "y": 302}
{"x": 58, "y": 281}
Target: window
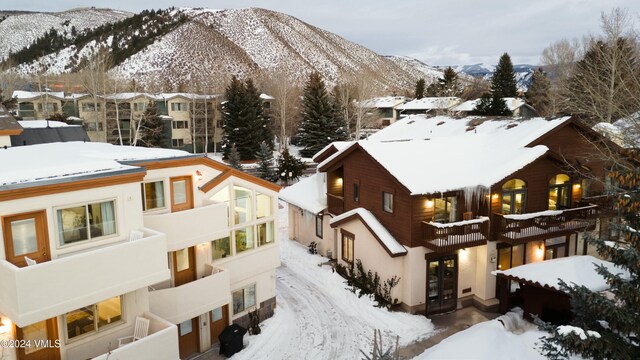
{"x": 387, "y": 112}
{"x": 179, "y": 106}
{"x": 139, "y": 106}
{"x": 86, "y": 222}
{"x": 244, "y": 298}
{"x": 91, "y": 126}
{"x": 559, "y": 192}
{"x": 347, "y": 247}
{"x": 180, "y": 124}
{"x": 514, "y": 197}
{"x": 444, "y": 209}
{"x": 356, "y": 192}
{"x": 186, "y": 327}
{"x": 387, "y": 202}
{"x": 220, "y": 248}
{"x": 50, "y": 107}
{"x": 263, "y": 208}
{"x": 265, "y": 233}
{"x": 319, "y": 226}
{"x": 90, "y": 107}
{"x": 93, "y": 318}
{"x": 153, "y": 195}
{"x": 266, "y": 105}
{"x": 244, "y": 239}
{"x": 510, "y": 256}
{"x": 555, "y": 248}
{"x": 177, "y": 142}
{"x": 242, "y": 205}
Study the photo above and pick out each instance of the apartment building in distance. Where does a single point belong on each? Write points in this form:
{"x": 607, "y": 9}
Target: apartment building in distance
{"x": 98, "y": 239}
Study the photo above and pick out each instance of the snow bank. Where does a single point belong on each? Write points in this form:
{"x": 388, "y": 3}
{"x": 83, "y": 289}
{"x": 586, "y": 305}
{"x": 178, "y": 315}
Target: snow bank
{"x": 489, "y": 340}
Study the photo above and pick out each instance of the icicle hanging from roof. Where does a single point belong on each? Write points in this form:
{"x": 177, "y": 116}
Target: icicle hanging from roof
{"x": 472, "y": 193}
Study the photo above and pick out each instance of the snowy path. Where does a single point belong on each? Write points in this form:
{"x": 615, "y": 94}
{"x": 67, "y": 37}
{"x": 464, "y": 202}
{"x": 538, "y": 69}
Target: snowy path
{"x": 316, "y": 318}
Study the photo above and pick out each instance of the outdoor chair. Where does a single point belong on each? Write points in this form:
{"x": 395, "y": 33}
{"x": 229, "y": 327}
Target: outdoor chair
{"x": 140, "y": 331}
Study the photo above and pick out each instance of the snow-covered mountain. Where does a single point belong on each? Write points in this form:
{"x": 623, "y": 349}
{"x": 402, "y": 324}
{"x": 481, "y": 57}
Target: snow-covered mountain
{"x": 430, "y": 73}
{"x": 523, "y": 72}
{"x": 211, "y": 45}
{"x": 19, "y": 30}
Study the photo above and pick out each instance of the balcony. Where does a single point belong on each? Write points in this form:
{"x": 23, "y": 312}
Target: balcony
{"x": 160, "y": 343}
{"x": 457, "y": 235}
{"x": 191, "y": 227}
{"x": 335, "y": 204}
{"x": 606, "y": 204}
{"x": 521, "y": 228}
{"x": 184, "y": 302}
{"x": 45, "y": 290}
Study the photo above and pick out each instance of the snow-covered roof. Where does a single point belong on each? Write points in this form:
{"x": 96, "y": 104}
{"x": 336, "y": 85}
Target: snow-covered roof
{"x": 127, "y": 96}
{"x": 266, "y": 97}
{"x": 75, "y": 96}
{"x": 459, "y": 151}
{"x": 26, "y": 95}
{"x": 512, "y": 104}
{"x": 36, "y": 124}
{"x": 578, "y": 270}
{"x": 191, "y": 96}
{"x": 307, "y": 194}
{"x": 58, "y": 161}
{"x": 430, "y": 103}
{"x": 337, "y": 145}
{"x": 383, "y": 102}
{"x": 380, "y": 232}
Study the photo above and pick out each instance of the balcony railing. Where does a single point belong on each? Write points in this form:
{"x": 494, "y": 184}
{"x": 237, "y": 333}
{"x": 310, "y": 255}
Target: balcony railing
{"x": 160, "y": 343}
{"x": 44, "y": 290}
{"x": 457, "y": 235}
{"x": 191, "y": 227}
{"x": 335, "y": 204}
{"x": 180, "y": 303}
{"x": 520, "y": 228}
{"x": 606, "y": 204}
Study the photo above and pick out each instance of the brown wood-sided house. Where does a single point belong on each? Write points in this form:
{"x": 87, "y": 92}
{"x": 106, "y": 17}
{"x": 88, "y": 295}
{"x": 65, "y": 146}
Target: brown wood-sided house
{"x": 442, "y": 202}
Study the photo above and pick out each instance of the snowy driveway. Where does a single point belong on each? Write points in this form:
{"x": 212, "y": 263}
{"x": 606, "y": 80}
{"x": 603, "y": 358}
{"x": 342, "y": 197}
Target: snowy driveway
{"x": 316, "y": 318}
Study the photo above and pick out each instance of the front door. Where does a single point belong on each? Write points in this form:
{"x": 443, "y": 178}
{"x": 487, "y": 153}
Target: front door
{"x": 26, "y": 235}
{"x": 442, "y": 275}
{"x": 184, "y": 266}
{"x": 43, "y": 340}
{"x": 188, "y": 339}
{"x": 219, "y": 321}
{"x": 181, "y": 193}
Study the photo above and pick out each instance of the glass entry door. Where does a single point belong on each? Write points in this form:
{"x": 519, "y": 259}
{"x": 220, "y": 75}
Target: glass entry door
{"x": 43, "y": 338}
{"x": 442, "y": 275}
{"x": 181, "y": 193}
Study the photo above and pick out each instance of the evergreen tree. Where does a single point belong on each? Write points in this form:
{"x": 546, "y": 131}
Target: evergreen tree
{"x": 234, "y": 158}
{"x": 611, "y": 321}
{"x": 289, "y": 167}
{"x": 449, "y": 84}
{"x": 503, "y": 83}
{"x": 265, "y": 163}
{"x": 538, "y": 93}
{"x": 420, "y": 87}
{"x": 320, "y": 124}
{"x": 491, "y": 105}
{"x": 152, "y": 127}
{"x": 9, "y": 103}
{"x": 245, "y": 124}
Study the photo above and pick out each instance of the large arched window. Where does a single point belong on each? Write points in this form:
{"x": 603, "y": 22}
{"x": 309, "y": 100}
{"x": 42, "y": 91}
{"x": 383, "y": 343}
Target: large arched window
{"x": 514, "y": 197}
{"x": 559, "y": 192}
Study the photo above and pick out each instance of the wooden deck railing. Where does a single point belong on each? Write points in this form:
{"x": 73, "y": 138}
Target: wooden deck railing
{"x": 335, "y": 204}
{"x": 520, "y": 228}
{"x": 453, "y": 236}
{"x": 606, "y": 204}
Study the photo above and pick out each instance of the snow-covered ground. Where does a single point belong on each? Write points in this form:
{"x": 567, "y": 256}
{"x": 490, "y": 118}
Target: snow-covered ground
{"x": 318, "y": 318}
{"x": 490, "y": 340}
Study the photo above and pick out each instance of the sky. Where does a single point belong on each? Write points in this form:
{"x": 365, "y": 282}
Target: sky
{"x": 437, "y": 32}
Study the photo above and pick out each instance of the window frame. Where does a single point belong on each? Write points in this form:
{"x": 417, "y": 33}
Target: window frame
{"x": 347, "y": 241}
{"x": 244, "y": 305}
{"x": 96, "y": 317}
{"x": 178, "y": 106}
{"x": 387, "y": 195}
{"x": 177, "y": 142}
{"x": 144, "y": 193}
{"x": 319, "y": 226}
{"x": 356, "y": 191}
{"x": 89, "y": 239}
